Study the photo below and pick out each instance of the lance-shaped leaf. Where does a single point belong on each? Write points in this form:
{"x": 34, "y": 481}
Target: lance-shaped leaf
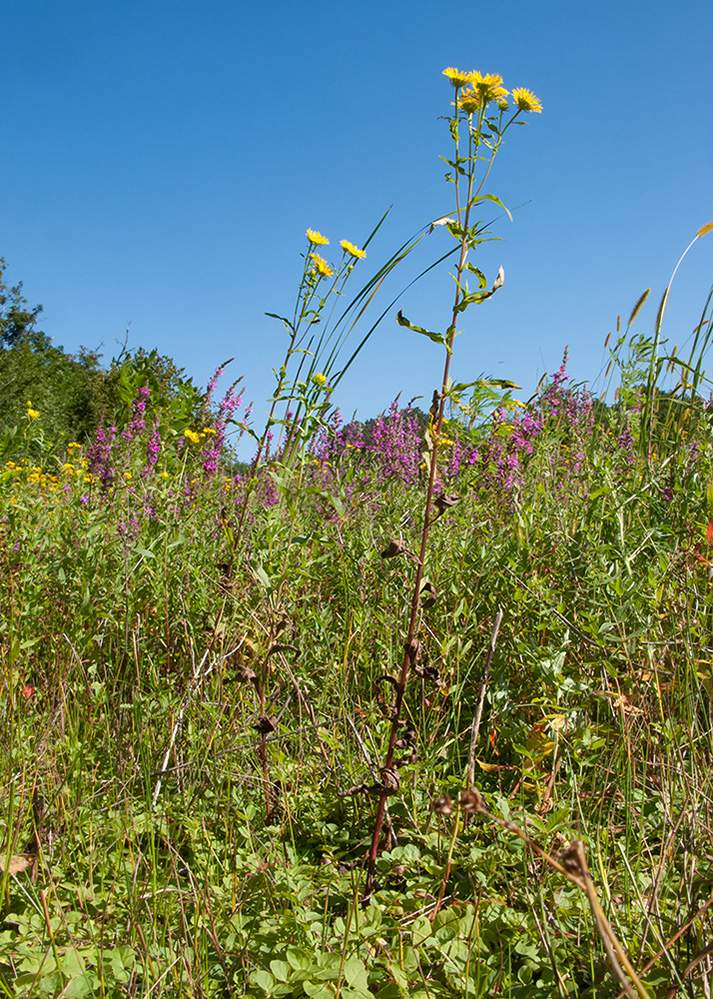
{"x": 286, "y": 322}
{"x": 436, "y": 337}
{"x": 502, "y": 383}
{"x": 480, "y": 296}
{"x": 495, "y": 199}
{"x": 471, "y": 298}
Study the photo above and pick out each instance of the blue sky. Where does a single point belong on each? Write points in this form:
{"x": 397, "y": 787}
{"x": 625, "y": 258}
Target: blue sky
{"x": 163, "y": 158}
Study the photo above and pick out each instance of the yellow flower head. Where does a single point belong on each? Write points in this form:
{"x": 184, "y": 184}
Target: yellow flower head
{"x": 319, "y": 379}
{"x": 526, "y": 100}
{"x": 470, "y": 101}
{"x": 192, "y": 436}
{"x": 457, "y": 77}
{"x": 489, "y": 87}
{"x": 316, "y": 238}
{"x": 350, "y": 248}
{"x": 321, "y": 265}
{"x": 32, "y": 413}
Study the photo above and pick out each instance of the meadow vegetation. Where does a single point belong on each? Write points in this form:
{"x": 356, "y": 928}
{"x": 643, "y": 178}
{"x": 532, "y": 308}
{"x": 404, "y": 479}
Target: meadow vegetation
{"x": 419, "y": 707}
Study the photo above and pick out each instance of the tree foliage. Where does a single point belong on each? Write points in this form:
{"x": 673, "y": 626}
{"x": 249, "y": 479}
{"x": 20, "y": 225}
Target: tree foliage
{"x": 74, "y": 393}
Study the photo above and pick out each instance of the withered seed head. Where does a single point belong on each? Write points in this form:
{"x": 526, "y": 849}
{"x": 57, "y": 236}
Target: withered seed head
{"x": 471, "y": 801}
{"x": 391, "y": 778}
{"x": 443, "y": 805}
{"x": 395, "y": 547}
{"x": 265, "y": 725}
{"x": 445, "y": 501}
{"x": 414, "y": 650}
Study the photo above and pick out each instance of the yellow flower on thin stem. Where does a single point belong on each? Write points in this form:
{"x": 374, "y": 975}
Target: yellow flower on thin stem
{"x": 489, "y": 87}
{"x": 526, "y": 100}
{"x": 470, "y": 101}
{"x": 32, "y": 413}
{"x": 316, "y": 238}
{"x": 192, "y": 436}
{"x": 350, "y": 248}
{"x": 457, "y": 77}
{"x": 319, "y": 379}
{"x": 321, "y": 265}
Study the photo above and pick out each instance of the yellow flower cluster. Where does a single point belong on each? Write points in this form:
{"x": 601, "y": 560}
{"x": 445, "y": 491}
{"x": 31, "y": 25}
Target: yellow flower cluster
{"x": 32, "y": 414}
{"x": 487, "y": 88}
{"x": 321, "y": 266}
{"x": 35, "y": 475}
{"x": 316, "y": 238}
{"x": 351, "y": 249}
{"x": 195, "y": 438}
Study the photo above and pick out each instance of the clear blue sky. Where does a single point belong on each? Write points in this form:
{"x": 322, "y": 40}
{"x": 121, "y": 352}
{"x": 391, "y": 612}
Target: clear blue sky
{"x": 163, "y": 158}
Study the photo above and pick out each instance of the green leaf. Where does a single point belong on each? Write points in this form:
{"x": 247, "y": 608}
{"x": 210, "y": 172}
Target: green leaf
{"x": 475, "y": 297}
{"x": 281, "y": 970}
{"x": 355, "y": 973}
{"x": 287, "y": 323}
{"x": 502, "y": 383}
{"x": 497, "y": 201}
{"x": 482, "y": 280}
{"x": 436, "y": 337}
{"x": 262, "y": 577}
{"x": 317, "y": 990}
{"x": 300, "y": 960}
{"x": 264, "y": 979}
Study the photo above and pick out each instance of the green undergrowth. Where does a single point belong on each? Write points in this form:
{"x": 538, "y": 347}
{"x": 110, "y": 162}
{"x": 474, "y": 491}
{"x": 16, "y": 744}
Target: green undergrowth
{"x": 192, "y": 724}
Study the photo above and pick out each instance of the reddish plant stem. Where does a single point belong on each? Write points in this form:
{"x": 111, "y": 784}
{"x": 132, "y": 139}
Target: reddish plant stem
{"x": 435, "y": 432}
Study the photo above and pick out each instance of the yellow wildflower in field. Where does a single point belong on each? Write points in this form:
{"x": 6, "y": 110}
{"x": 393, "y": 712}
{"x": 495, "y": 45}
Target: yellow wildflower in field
{"x": 32, "y": 413}
{"x": 526, "y": 100}
{"x": 192, "y": 436}
{"x": 350, "y": 248}
{"x": 319, "y": 379}
{"x": 489, "y": 87}
{"x": 470, "y": 101}
{"x": 209, "y": 430}
{"x": 457, "y": 77}
{"x": 316, "y": 238}
{"x": 321, "y": 265}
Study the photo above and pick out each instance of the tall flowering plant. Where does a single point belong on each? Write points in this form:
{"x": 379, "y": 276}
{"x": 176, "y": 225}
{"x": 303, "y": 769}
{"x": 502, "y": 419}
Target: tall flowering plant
{"x": 483, "y": 111}
{"x": 322, "y": 321}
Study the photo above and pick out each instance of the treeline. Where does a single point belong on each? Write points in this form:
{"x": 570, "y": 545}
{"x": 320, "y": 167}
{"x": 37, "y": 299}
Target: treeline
{"x": 74, "y": 393}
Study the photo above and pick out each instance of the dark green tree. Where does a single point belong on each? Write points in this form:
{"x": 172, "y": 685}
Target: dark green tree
{"x": 75, "y": 393}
